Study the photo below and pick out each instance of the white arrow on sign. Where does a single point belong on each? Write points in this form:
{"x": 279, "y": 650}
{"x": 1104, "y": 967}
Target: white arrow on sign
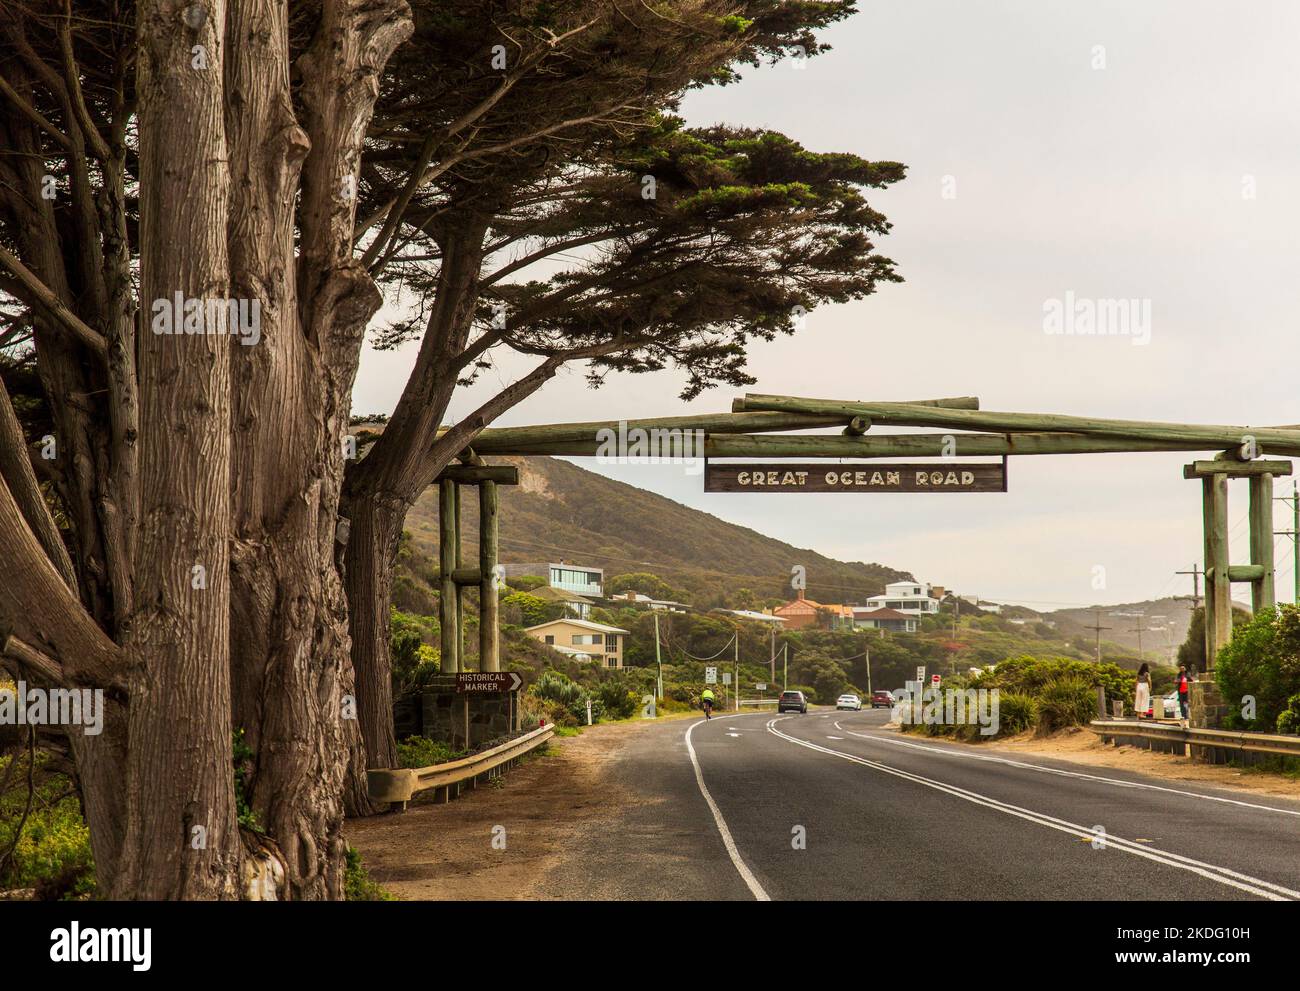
{"x": 515, "y": 680}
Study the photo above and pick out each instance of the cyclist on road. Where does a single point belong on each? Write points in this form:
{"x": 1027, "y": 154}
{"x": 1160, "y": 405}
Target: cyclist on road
{"x": 706, "y": 700}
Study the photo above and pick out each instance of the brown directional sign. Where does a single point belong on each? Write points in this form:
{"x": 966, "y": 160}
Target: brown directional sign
{"x": 983, "y": 476}
{"x": 488, "y": 681}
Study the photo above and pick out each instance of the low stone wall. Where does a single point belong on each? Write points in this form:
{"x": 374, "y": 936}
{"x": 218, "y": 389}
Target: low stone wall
{"x": 448, "y": 716}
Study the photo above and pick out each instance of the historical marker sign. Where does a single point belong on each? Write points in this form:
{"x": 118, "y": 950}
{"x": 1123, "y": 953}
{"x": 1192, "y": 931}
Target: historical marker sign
{"x": 979, "y": 476}
{"x": 488, "y": 681}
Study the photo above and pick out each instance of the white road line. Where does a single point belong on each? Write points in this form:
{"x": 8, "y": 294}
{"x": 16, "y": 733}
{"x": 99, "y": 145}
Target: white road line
{"x": 755, "y": 888}
{"x": 1119, "y": 782}
{"x": 1212, "y": 872}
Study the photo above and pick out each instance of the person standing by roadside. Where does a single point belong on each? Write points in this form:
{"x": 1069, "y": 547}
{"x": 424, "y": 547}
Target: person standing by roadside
{"x": 1142, "y": 696}
{"x": 1184, "y": 689}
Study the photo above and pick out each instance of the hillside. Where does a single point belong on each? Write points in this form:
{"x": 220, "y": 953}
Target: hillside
{"x": 1164, "y": 624}
{"x": 560, "y": 511}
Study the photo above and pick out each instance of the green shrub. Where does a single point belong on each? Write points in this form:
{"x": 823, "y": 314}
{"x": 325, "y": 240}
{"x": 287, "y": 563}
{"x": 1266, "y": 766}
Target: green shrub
{"x": 54, "y": 849}
{"x": 1017, "y": 713}
{"x": 420, "y": 751}
{"x": 1064, "y": 701}
{"x": 1261, "y": 661}
{"x": 1288, "y": 721}
{"x": 357, "y": 886}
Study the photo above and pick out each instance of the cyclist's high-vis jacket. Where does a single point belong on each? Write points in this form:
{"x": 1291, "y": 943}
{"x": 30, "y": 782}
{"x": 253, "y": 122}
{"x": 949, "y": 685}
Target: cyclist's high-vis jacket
{"x": 707, "y": 696}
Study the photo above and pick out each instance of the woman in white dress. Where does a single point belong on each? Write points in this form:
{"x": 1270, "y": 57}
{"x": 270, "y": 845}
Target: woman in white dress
{"x": 1142, "y": 700}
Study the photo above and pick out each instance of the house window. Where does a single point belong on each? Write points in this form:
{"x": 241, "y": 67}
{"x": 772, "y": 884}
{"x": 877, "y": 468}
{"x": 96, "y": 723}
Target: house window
{"x": 587, "y": 638}
{"x": 549, "y": 639}
{"x": 613, "y": 661}
{"x": 612, "y": 641}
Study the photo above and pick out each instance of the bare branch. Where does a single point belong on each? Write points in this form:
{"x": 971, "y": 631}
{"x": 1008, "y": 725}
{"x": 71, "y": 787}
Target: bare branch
{"x": 42, "y": 294}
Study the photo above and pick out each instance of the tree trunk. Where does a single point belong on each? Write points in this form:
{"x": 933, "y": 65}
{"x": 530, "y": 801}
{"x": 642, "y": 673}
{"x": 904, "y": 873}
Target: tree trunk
{"x": 376, "y": 530}
{"x": 181, "y": 836}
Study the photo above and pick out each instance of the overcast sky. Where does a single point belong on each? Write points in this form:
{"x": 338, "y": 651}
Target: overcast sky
{"x": 1109, "y": 149}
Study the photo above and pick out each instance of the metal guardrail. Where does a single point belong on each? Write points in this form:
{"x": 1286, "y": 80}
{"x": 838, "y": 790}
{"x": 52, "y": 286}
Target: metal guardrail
{"x": 399, "y": 785}
{"x": 1174, "y": 734}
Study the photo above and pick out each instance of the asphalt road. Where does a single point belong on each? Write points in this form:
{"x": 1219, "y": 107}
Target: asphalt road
{"x": 828, "y": 805}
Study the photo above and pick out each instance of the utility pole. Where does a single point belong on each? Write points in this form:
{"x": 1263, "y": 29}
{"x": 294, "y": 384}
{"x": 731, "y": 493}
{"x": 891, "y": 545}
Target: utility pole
{"x": 659, "y": 659}
{"x": 1097, "y": 628}
{"x": 1294, "y": 534}
{"x": 1196, "y": 573}
{"x": 785, "y": 666}
{"x": 772, "y": 676}
{"x": 868, "y": 655}
{"x": 1139, "y": 630}
{"x": 736, "y": 679}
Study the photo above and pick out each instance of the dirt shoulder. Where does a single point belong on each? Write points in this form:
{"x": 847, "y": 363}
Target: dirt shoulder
{"x": 1082, "y": 746}
{"x": 446, "y": 851}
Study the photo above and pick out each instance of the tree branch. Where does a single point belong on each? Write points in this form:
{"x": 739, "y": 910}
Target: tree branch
{"x": 42, "y": 294}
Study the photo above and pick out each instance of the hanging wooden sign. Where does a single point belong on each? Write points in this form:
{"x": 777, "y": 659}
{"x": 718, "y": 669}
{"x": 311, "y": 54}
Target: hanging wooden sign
{"x": 983, "y": 476}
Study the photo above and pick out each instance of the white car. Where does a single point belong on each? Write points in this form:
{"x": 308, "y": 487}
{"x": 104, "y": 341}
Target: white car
{"x": 848, "y": 702}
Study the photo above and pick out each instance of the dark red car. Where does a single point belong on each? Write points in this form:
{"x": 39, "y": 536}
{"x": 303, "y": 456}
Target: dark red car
{"x": 881, "y": 698}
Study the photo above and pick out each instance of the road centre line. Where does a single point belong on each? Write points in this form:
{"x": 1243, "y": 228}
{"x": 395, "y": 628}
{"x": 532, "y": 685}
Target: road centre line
{"x": 1119, "y": 782}
{"x": 1212, "y": 872}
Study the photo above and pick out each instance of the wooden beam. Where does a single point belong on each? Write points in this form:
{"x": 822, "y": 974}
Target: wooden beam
{"x": 1236, "y": 469}
{"x": 478, "y": 474}
{"x": 466, "y": 576}
{"x": 507, "y": 440}
{"x": 884, "y": 445}
{"x": 743, "y": 405}
{"x": 1266, "y": 439}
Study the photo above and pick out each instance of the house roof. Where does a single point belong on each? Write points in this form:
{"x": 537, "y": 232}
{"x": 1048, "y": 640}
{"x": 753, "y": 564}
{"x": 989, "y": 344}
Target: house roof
{"x": 793, "y": 606}
{"x": 552, "y": 594}
{"x": 880, "y": 614}
{"x": 584, "y": 624}
{"x": 750, "y": 614}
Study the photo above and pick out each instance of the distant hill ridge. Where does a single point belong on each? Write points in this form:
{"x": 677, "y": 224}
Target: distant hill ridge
{"x": 561, "y": 511}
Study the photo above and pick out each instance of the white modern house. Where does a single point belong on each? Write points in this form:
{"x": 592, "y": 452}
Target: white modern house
{"x": 909, "y": 598}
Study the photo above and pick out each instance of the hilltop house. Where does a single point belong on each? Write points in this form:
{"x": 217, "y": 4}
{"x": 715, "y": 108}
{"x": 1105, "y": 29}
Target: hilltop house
{"x": 578, "y": 606}
{"x": 578, "y": 578}
{"x": 913, "y": 598}
{"x": 865, "y": 618}
{"x": 582, "y": 640}
{"x": 803, "y": 612}
{"x": 637, "y": 599}
{"x": 759, "y": 617}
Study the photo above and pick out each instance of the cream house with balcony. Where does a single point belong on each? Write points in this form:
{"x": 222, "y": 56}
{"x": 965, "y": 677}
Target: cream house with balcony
{"x": 583, "y": 640}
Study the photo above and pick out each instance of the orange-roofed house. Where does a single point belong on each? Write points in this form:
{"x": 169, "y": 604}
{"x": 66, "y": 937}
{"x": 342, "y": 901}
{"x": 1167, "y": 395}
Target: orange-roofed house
{"x": 803, "y": 613}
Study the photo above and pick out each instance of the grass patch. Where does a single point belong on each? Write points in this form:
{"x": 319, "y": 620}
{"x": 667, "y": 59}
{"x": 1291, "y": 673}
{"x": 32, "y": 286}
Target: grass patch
{"x": 357, "y": 885}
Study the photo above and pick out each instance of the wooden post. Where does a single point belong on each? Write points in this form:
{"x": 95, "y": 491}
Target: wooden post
{"x": 1218, "y": 589}
{"x": 462, "y": 660}
{"x": 1262, "y": 594}
{"x": 488, "y": 635}
{"x": 448, "y": 542}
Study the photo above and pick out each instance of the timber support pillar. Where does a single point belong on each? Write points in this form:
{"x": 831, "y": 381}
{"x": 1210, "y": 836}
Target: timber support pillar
{"x": 454, "y": 576}
{"x": 1219, "y": 573}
